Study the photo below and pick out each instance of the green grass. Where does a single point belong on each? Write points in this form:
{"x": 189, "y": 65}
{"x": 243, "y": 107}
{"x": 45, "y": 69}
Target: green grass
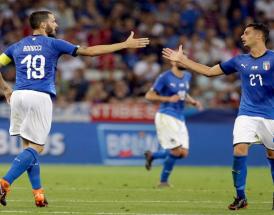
{"x": 132, "y": 190}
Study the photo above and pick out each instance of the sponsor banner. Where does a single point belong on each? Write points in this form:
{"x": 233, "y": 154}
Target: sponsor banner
{"x": 67, "y": 143}
{"x": 126, "y": 143}
{"x": 123, "y": 112}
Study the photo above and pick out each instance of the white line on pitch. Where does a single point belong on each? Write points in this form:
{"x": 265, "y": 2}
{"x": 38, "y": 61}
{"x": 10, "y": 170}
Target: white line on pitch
{"x": 134, "y": 189}
{"x": 42, "y": 212}
{"x": 142, "y": 201}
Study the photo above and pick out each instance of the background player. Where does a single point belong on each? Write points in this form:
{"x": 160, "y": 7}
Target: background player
{"x": 255, "y": 121}
{"x": 171, "y": 89}
{"x": 35, "y": 58}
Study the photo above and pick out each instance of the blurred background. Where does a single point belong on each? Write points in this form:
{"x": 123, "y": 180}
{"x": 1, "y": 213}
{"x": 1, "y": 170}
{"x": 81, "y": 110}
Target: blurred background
{"x": 100, "y": 110}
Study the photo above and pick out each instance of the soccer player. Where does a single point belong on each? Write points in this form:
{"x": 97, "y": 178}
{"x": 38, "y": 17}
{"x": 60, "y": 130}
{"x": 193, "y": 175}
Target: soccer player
{"x": 255, "y": 120}
{"x": 35, "y": 58}
{"x": 171, "y": 90}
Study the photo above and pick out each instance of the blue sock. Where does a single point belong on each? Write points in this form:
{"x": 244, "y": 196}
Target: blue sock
{"x": 20, "y": 164}
{"x": 239, "y": 173}
{"x": 160, "y": 154}
{"x": 34, "y": 175}
{"x": 271, "y": 162}
{"x": 168, "y": 166}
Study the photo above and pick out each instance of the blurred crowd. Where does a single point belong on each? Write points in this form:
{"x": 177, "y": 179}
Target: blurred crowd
{"x": 209, "y": 30}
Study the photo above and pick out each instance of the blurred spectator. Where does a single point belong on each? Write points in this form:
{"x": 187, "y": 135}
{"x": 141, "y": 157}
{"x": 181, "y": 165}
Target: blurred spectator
{"x": 147, "y": 68}
{"x": 64, "y": 15}
{"x": 96, "y": 93}
{"x": 68, "y": 66}
{"x": 267, "y": 7}
{"x": 79, "y": 83}
{"x": 209, "y": 30}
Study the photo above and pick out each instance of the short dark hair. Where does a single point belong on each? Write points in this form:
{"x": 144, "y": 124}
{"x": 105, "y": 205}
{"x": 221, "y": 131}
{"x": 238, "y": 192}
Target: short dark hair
{"x": 37, "y": 17}
{"x": 260, "y": 27}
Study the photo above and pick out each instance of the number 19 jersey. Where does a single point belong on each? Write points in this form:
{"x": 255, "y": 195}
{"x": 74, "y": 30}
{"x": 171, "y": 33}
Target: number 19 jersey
{"x": 257, "y": 80}
{"x": 35, "y": 58}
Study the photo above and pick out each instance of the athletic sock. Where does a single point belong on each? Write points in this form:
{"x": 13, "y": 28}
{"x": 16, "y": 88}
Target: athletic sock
{"x": 271, "y": 162}
{"x": 239, "y": 173}
{"x": 168, "y": 167}
{"x": 34, "y": 174}
{"x": 160, "y": 154}
{"x": 20, "y": 164}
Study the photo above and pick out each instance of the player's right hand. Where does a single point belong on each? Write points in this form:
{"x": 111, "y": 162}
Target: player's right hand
{"x": 174, "y": 98}
{"x": 136, "y": 43}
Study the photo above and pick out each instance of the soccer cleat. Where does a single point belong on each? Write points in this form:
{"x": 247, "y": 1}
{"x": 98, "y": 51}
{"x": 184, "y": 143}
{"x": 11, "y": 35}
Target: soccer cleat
{"x": 273, "y": 202}
{"x": 164, "y": 185}
{"x": 148, "y": 157}
{"x": 238, "y": 204}
{"x": 39, "y": 198}
{"x": 4, "y": 189}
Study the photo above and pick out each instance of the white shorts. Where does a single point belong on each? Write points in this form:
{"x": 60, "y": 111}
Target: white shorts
{"x": 248, "y": 129}
{"x": 171, "y": 132}
{"x": 31, "y": 115}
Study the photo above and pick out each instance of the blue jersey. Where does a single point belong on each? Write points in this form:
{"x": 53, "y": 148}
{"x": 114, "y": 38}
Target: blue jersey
{"x": 257, "y": 80}
{"x": 167, "y": 84}
{"x": 35, "y": 58}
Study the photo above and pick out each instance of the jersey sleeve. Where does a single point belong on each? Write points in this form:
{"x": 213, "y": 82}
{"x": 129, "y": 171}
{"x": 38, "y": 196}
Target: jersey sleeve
{"x": 159, "y": 84}
{"x": 6, "y": 56}
{"x": 65, "y": 47}
{"x": 229, "y": 66}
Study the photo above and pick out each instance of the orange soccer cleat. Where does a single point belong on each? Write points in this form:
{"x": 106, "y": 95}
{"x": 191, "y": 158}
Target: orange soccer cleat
{"x": 4, "y": 189}
{"x": 39, "y": 198}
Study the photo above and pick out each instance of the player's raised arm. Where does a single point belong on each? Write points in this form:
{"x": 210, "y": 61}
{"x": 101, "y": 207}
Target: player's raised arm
{"x": 183, "y": 60}
{"x": 105, "y": 49}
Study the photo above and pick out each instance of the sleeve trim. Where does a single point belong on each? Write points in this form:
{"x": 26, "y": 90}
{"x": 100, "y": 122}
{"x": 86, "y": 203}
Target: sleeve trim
{"x": 4, "y": 59}
{"x": 74, "y": 53}
{"x": 222, "y": 69}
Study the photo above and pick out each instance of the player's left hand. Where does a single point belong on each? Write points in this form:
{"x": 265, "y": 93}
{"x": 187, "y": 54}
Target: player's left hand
{"x": 199, "y": 105}
{"x": 136, "y": 42}
{"x": 173, "y": 55}
{"x": 7, "y": 93}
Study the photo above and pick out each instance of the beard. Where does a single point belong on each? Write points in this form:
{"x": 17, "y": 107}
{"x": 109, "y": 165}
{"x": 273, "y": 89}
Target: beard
{"x": 181, "y": 68}
{"x": 50, "y": 31}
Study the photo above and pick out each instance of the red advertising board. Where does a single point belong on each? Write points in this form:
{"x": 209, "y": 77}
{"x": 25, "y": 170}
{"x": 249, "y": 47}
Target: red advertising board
{"x": 123, "y": 112}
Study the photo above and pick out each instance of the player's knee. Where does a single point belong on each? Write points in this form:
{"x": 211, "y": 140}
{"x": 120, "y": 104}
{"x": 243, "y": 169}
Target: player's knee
{"x": 180, "y": 152}
{"x": 37, "y": 148}
{"x": 184, "y": 153}
{"x": 270, "y": 154}
{"x": 240, "y": 149}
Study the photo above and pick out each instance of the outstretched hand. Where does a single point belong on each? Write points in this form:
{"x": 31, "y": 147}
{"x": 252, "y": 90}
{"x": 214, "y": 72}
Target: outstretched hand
{"x": 136, "y": 42}
{"x": 172, "y": 55}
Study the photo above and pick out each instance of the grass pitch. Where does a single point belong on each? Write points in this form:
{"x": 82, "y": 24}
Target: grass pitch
{"x": 102, "y": 190}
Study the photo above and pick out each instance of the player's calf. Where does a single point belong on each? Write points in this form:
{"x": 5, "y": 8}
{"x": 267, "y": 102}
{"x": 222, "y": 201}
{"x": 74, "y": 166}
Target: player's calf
{"x": 39, "y": 198}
